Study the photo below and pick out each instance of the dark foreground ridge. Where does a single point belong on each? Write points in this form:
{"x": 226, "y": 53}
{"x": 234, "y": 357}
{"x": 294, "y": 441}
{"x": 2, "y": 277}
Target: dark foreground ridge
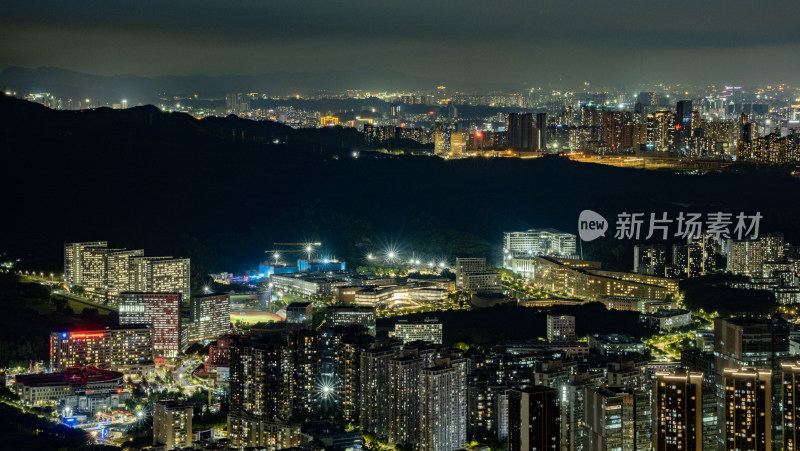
{"x": 221, "y": 190}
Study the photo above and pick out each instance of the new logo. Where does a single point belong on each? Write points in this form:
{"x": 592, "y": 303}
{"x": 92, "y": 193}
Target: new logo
{"x": 591, "y": 225}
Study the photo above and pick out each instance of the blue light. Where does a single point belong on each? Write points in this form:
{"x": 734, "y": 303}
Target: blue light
{"x": 63, "y": 335}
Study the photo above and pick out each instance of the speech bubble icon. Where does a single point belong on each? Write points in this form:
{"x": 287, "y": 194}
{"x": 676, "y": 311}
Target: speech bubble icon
{"x": 591, "y": 225}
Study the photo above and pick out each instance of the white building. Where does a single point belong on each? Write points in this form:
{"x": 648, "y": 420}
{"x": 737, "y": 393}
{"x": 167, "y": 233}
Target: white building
{"x": 428, "y": 330}
{"x": 539, "y": 242}
{"x": 468, "y": 266}
{"x": 443, "y": 406}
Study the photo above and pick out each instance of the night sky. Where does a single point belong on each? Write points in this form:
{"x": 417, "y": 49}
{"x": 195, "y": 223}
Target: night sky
{"x": 528, "y": 43}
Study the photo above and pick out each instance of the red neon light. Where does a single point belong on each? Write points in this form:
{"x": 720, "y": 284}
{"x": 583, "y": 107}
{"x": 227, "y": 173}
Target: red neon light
{"x": 87, "y": 335}
{"x": 479, "y": 135}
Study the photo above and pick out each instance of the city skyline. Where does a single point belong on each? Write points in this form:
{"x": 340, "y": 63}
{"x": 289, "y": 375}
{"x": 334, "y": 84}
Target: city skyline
{"x": 400, "y": 226}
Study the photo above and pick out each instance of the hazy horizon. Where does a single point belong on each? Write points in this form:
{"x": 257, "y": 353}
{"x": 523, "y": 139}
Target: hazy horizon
{"x": 474, "y": 43}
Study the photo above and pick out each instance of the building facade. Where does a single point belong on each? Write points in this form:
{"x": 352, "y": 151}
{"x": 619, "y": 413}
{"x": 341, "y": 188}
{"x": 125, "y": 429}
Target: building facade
{"x": 533, "y": 419}
{"x": 172, "y": 424}
{"x": 677, "y": 411}
{"x": 159, "y": 310}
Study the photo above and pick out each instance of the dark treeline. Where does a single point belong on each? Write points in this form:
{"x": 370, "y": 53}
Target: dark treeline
{"x": 26, "y": 431}
{"x": 221, "y": 191}
{"x": 30, "y": 314}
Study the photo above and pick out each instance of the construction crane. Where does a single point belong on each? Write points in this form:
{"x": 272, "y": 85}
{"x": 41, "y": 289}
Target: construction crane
{"x": 307, "y": 248}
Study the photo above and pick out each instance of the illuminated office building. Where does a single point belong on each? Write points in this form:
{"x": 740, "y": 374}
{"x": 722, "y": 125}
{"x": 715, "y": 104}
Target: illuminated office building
{"x": 344, "y": 315}
{"x": 747, "y": 407}
{"x": 560, "y": 328}
{"x": 161, "y": 275}
{"x": 73, "y": 260}
{"x": 211, "y": 315}
{"x": 86, "y": 389}
{"x": 650, "y": 259}
{"x": 93, "y": 268}
{"x": 159, "y": 310}
{"x": 441, "y": 140}
{"x": 790, "y": 378}
{"x": 458, "y": 143}
{"x": 403, "y": 399}
{"x": 306, "y": 359}
{"x": 466, "y": 266}
{"x": 172, "y": 424}
{"x": 429, "y": 330}
{"x": 119, "y": 266}
{"x": 539, "y": 242}
{"x": 745, "y": 342}
{"x": 616, "y": 419}
{"x": 660, "y": 131}
{"x": 121, "y": 348}
{"x": 347, "y": 368}
{"x": 443, "y": 405}
{"x": 618, "y": 129}
{"x": 328, "y": 121}
{"x": 248, "y": 431}
{"x": 374, "y": 389}
{"x": 746, "y": 257}
{"x": 172, "y": 275}
{"x": 677, "y": 411}
{"x": 260, "y": 378}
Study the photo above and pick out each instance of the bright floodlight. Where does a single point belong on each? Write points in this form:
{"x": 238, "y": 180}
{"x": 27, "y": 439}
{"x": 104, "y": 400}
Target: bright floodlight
{"x": 207, "y": 289}
{"x": 441, "y": 265}
{"x": 369, "y": 256}
{"x": 308, "y": 248}
{"x": 391, "y": 254}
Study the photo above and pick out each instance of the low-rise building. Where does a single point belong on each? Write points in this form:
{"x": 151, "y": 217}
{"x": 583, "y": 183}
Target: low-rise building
{"x": 86, "y": 390}
{"x": 481, "y": 282}
{"x": 348, "y": 315}
{"x": 667, "y": 319}
{"x": 429, "y": 330}
{"x": 641, "y": 305}
{"x": 615, "y": 344}
{"x": 299, "y": 315}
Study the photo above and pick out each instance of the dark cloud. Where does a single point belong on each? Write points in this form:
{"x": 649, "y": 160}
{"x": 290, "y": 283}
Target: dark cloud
{"x": 476, "y": 42}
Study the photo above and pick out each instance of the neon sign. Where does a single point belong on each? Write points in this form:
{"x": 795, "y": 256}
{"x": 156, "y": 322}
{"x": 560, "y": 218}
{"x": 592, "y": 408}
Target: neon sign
{"x": 87, "y": 335}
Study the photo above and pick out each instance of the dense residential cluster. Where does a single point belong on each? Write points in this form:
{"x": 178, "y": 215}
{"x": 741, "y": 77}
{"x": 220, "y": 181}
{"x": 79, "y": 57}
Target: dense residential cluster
{"x": 329, "y": 375}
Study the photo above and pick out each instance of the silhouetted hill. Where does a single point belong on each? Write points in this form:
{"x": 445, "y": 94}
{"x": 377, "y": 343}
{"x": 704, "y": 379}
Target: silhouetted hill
{"x": 221, "y": 191}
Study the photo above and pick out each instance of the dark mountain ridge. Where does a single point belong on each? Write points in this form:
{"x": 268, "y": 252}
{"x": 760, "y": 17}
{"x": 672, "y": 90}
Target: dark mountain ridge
{"x": 221, "y": 191}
